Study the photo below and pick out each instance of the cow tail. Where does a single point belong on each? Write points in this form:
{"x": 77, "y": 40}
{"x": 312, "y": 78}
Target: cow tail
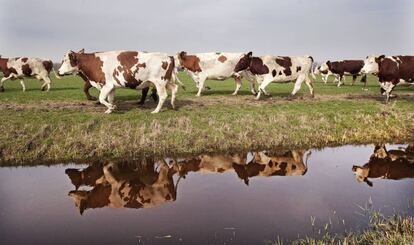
{"x": 54, "y": 71}
{"x": 312, "y": 67}
{"x": 56, "y": 75}
{"x": 175, "y": 78}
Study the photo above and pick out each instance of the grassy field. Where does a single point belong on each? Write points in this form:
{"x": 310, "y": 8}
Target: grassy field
{"x": 61, "y": 125}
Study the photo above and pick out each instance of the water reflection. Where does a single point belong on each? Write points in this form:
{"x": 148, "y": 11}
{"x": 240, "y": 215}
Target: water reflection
{"x": 150, "y": 183}
{"x": 122, "y": 186}
{"x": 387, "y": 164}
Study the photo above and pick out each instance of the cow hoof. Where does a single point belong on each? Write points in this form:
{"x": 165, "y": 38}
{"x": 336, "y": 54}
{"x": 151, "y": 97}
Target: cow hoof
{"x": 109, "y": 111}
{"x": 154, "y": 112}
{"x": 198, "y": 95}
{"x": 1, "y": 89}
{"x": 313, "y": 96}
{"x": 98, "y": 103}
{"x": 291, "y": 97}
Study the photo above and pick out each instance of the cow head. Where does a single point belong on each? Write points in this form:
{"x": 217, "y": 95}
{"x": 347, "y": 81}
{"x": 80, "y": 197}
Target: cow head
{"x": 371, "y": 64}
{"x": 361, "y": 174}
{"x": 325, "y": 67}
{"x": 244, "y": 62}
{"x": 70, "y": 63}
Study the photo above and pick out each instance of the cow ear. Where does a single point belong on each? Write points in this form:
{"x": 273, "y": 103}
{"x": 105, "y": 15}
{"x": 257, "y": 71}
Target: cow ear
{"x": 328, "y": 62}
{"x": 82, "y": 206}
{"x": 381, "y": 57}
{"x": 81, "y": 51}
{"x": 354, "y": 168}
{"x": 249, "y": 54}
{"x": 182, "y": 54}
{"x": 369, "y": 183}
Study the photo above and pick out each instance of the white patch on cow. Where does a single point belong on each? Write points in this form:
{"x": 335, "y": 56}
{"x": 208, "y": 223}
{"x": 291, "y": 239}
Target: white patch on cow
{"x": 370, "y": 65}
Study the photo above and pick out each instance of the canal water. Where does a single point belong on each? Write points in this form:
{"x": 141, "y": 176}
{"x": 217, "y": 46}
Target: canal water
{"x": 245, "y": 198}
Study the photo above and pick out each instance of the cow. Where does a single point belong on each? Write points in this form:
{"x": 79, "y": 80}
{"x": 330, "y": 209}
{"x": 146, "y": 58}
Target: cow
{"x": 278, "y": 69}
{"x": 119, "y": 185}
{"x": 391, "y": 71}
{"x": 24, "y": 67}
{"x": 214, "y": 66}
{"x": 387, "y": 164}
{"x": 264, "y": 164}
{"x": 343, "y": 68}
{"x": 107, "y": 71}
{"x": 87, "y": 85}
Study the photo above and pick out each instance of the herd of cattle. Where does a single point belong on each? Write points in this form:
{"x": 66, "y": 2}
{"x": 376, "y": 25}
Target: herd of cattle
{"x": 107, "y": 71}
{"x": 151, "y": 183}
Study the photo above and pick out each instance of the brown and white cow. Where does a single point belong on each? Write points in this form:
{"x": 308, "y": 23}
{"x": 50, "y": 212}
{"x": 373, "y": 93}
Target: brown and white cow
{"x": 21, "y": 67}
{"x": 343, "y": 68}
{"x": 214, "y": 66}
{"x": 387, "y": 164}
{"x": 391, "y": 71}
{"x": 87, "y": 86}
{"x": 277, "y": 69}
{"x": 263, "y": 164}
{"x": 107, "y": 71}
{"x": 121, "y": 186}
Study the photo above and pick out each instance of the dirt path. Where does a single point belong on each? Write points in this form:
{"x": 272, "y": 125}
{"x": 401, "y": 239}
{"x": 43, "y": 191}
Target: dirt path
{"x": 194, "y": 102}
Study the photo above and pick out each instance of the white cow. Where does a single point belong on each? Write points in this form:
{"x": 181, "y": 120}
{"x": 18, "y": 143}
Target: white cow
{"x": 213, "y": 66}
{"x": 278, "y": 69}
{"x": 109, "y": 70}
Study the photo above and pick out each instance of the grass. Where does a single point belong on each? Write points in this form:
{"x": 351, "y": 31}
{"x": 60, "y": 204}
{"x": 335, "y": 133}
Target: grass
{"x": 396, "y": 229}
{"x": 61, "y": 126}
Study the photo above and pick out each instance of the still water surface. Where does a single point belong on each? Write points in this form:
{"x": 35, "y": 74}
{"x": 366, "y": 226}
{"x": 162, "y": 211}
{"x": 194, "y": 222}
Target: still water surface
{"x": 208, "y": 199}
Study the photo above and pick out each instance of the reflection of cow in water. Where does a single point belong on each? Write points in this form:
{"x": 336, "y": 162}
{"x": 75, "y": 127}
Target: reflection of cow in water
{"x": 118, "y": 186}
{"x": 392, "y": 164}
{"x": 288, "y": 163}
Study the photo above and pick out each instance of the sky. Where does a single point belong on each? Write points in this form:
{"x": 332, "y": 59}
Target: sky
{"x": 325, "y": 29}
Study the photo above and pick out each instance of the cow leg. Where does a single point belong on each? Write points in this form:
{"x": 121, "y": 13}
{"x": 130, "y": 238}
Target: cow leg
{"x": 238, "y": 82}
{"x": 253, "y": 87}
{"x": 111, "y": 97}
{"x": 103, "y": 95}
{"x": 298, "y": 84}
{"x": 144, "y": 94}
{"x": 262, "y": 87}
{"x": 340, "y": 81}
{"x": 2, "y": 82}
{"x": 364, "y": 80}
{"x": 387, "y": 88}
{"x": 86, "y": 86}
{"x": 354, "y": 77}
{"x": 162, "y": 95}
{"x": 154, "y": 94}
{"x": 308, "y": 82}
{"x": 46, "y": 83}
{"x": 23, "y": 85}
{"x": 201, "y": 81}
{"x": 174, "y": 88}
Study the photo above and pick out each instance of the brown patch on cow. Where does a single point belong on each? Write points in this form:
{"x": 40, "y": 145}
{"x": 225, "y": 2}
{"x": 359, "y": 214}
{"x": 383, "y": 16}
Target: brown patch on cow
{"x": 168, "y": 73}
{"x": 189, "y": 62}
{"x": 286, "y": 63}
{"x": 48, "y": 65}
{"x": 164, "y": 65}
{"x": 24, "y": 59}
{"x": 222, "y": 58}
{"x": 298, "y": 68}
{"x": 91, "y": 66}
{"x": 257, "y": 67}
{"x": 280, "y": 73}
{"x": 128, "y": 60}
{"x": 243, "y": 63}
{"x": 98, "y": 197}
{"x": 27, "y": 71}
{"x": 282, "y": 171}
{"x": 274, "y": 73}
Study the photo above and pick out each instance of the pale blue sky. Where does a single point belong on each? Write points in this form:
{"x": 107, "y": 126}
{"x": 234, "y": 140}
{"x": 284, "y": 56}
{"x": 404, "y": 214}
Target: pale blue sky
{"x": 324, "y": 29}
